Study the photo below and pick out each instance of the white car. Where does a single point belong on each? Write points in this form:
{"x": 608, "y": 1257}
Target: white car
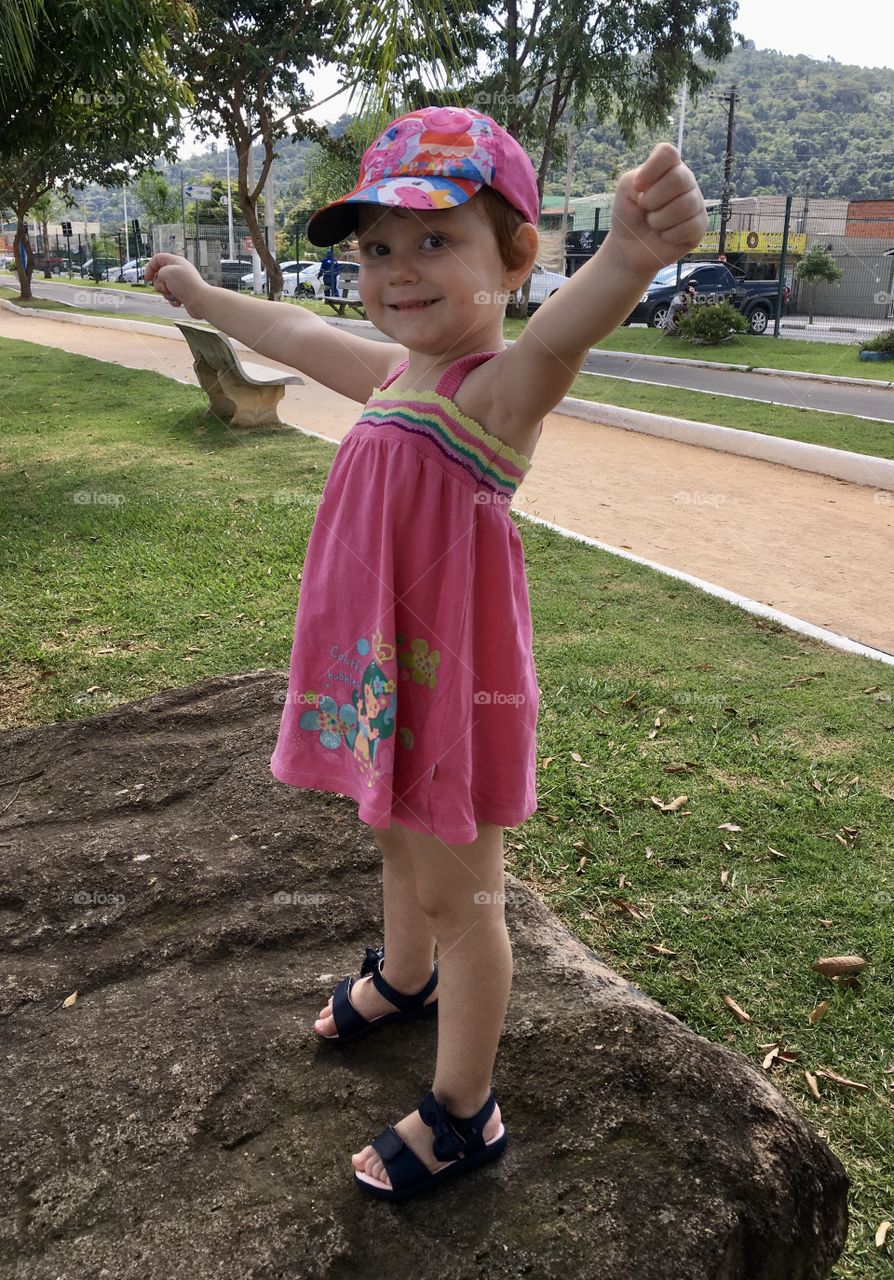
{"x": 290, "y": 269}
{"x": 543, "y": 285}
{"x": 130, "y": 273}
{"x": 309, "y": 283}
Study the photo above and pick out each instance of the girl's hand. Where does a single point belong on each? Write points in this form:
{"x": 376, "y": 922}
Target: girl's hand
{"x": 659, "y": 213}
{"x": 178, "y": 281}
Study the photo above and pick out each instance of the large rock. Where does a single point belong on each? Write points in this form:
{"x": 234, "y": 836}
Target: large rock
{"x": 181, "y": 1119}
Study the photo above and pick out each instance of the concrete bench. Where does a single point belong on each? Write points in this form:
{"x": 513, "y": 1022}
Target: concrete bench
{"x": 240, "y": 390}
{"x": 339, "y": 305}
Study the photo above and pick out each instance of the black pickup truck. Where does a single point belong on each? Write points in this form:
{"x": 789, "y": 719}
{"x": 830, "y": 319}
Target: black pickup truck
{"x": 714, "y": 282}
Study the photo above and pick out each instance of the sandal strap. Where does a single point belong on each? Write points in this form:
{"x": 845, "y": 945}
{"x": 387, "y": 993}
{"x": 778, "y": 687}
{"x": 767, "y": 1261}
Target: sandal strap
{"x": 403, "y": 1166}
{"x": 455, "y": 1136}
{"x": 406, "y": 1003}
{"x": 347, "y": 1019}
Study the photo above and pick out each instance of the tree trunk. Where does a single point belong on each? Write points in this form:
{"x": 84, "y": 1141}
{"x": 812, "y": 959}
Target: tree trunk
{"x": 24, "y": 273}
{"x": 519, "y": 310}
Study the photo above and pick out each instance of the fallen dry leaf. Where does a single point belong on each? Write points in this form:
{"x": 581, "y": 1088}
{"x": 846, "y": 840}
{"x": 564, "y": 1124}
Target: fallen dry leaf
{"x": 660, "y": 949}
{"x": 629, "y": 906}
{"x": 812, "y": 1085}
{"x": 817, "y": 1013}
{"x": 728, "y": 826}
{"x": 739, "y": 1014}
{"x": 830, "y": 966}
{"x": 882, "y": 1234}
{"x": 69, "y": 1000}
{"x": 669, "y": 808}
{"x": 833, "y": 1075}
{"x": 544, "y": 764}
{"x": 768, "y": 1061}
{"x": 581, "y": 864}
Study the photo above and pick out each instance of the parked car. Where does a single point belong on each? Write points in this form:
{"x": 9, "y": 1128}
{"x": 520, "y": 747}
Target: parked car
{"x": 130, "y": 273}
{"x": 7, "y": 262}
{"x": 103, "y": 267}
{"x": 543, "y": 285}
{"x": 714, "y": 282}
{"x": 50, "y": 262}
{"x": 232, "y": 270}
{"x": 291, "y": 267}
{"x": 309, "y": 283}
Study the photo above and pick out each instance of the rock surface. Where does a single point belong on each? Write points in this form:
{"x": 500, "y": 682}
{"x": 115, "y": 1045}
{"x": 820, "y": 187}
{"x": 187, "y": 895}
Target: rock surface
{"x": 181, "y": 1119}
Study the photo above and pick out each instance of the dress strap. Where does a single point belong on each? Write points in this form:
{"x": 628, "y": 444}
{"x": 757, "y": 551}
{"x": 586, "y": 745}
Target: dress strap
{"x": 395, "y": 373}
{"x": 454, "y": 373}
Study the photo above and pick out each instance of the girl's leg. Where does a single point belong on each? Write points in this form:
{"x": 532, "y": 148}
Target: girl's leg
{"x": 409, "y": 942}
{"x": 460, "y": 889}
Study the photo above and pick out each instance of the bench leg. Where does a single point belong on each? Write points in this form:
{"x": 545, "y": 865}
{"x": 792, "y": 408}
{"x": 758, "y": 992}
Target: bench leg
{"x": 253, "y": 406}
{"x": 233, "y": 401}
{"x": 221, "y": 406}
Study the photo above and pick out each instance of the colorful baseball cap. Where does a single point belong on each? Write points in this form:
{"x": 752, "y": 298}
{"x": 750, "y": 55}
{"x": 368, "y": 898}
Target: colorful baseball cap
{"x": 433, "y": 158}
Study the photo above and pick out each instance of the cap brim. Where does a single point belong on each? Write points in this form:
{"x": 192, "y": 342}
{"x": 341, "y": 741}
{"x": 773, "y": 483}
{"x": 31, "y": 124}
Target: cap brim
{"x": 337, "y": 221}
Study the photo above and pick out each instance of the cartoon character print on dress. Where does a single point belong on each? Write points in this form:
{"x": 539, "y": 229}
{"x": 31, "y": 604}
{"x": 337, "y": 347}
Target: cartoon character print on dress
{"x": 368, "y": 720}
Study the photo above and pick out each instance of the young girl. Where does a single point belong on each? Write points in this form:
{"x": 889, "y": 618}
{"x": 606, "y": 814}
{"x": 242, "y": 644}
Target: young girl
{"x": 412, "y": 685}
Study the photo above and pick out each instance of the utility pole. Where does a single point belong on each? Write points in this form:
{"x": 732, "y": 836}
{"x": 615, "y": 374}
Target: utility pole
{"x": 725, "y": 203}
{"x": 567, "y": 202}
{"x": 682, "y": 117}
{"x": 230, "y": 204}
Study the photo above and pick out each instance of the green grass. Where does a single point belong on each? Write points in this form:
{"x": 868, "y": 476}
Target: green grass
{"x": 185, "y": 563}
{"x": 838, "y": 358}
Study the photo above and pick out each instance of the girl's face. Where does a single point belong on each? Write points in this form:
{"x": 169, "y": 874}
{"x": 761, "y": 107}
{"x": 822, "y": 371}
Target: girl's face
{"x": 446, "y": 259}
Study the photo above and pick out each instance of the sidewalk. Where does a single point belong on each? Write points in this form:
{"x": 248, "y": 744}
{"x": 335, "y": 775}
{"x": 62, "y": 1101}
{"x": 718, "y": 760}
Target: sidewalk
{"x": 808, "y": 545}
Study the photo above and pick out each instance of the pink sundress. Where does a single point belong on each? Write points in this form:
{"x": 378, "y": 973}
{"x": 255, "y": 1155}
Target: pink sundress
{"x": 412, "y": 686}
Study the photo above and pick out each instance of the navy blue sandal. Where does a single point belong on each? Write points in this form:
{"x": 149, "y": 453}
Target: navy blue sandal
{"x": 457, "y": 1139}
{"x": 351, "y": 1025}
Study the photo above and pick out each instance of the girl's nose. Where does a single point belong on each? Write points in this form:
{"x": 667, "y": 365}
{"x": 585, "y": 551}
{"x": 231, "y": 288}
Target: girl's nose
{"x": 402, "y": 266}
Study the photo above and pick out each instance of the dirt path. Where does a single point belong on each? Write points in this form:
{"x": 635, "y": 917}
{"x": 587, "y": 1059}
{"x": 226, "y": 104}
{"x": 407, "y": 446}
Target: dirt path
{"x": 812, "y": 546}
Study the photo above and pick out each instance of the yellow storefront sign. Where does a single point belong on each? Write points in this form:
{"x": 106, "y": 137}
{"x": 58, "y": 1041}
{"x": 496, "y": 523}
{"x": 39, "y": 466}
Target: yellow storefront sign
{"x": 753, "y": 242}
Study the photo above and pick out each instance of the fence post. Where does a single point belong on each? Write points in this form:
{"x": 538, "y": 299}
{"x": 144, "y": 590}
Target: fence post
{"x": 780, "y": 293}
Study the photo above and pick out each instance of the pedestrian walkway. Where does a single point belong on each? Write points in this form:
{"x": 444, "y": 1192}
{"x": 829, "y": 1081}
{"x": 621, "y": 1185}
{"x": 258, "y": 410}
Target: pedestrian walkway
{"x": 808, "y": 545}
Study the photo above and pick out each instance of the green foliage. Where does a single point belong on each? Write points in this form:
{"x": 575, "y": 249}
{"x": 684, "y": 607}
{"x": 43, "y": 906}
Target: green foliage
{"x": 883, "y": 342}
{"x": 161, "y": 203}
{"x": 817, "y": 265}
{"x": 712, "y": 322}
{"x": 798, "y": 120}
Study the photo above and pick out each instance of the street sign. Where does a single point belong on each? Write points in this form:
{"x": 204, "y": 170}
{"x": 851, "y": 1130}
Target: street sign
{"x": 194, "y": 192}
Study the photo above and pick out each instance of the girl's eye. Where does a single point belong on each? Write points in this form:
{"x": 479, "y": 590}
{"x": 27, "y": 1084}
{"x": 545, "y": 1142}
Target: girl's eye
{"x": 431, "y": 236}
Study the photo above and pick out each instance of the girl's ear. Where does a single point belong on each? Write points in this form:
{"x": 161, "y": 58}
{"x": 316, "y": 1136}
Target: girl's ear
{"x": 528, "y": 243}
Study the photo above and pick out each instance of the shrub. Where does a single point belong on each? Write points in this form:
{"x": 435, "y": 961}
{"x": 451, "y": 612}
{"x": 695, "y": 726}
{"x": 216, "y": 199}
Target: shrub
{"x": 881, "y": 342}
{"x": 712, "y": 322}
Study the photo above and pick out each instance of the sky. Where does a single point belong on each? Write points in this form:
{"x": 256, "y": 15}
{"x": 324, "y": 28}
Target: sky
{"x": 866, "y": 39}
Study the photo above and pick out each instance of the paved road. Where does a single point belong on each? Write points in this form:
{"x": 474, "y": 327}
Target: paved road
{"x": 873, "y": 402}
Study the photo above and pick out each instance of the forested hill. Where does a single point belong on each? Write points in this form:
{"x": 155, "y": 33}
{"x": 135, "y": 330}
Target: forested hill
{"x": 797, "y": 120}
